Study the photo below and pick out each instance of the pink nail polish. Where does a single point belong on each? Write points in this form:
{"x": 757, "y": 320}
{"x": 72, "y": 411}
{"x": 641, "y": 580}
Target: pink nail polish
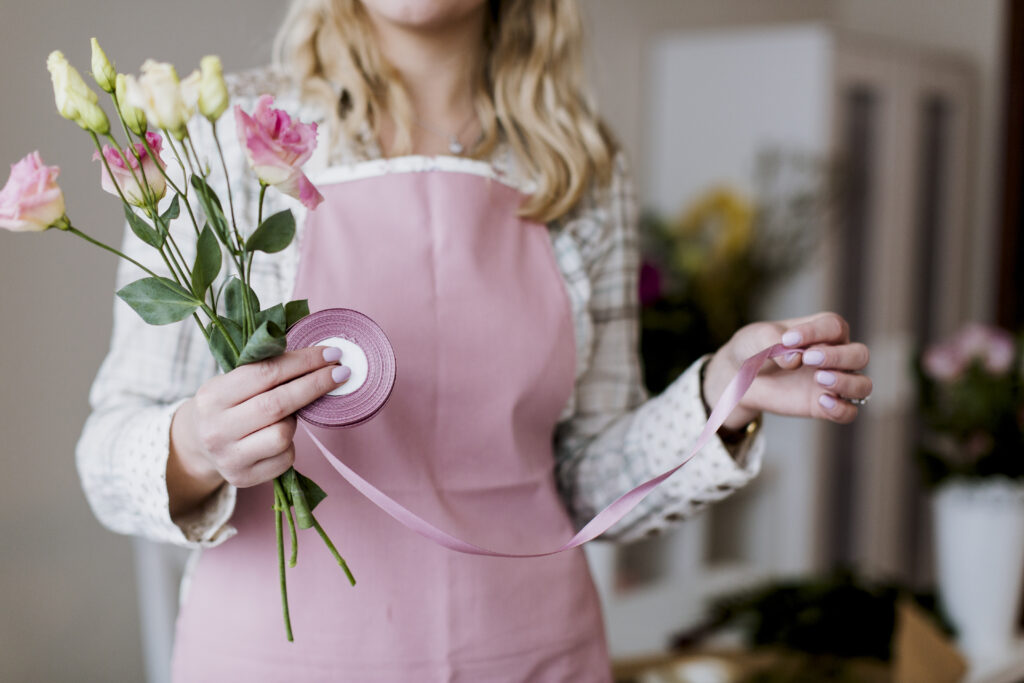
{"x": 792, "y": 338}
{"x": 827, "y": 402}
{"x": 814, "y": 358}
{"x": 332, "y": 354}
{"x": 826, "y": 379}
{"x": 341, "y": 373}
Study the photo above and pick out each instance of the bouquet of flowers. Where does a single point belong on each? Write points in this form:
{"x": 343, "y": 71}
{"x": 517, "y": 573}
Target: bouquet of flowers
{"x": 971, "y": 400}
{"x": 154, "y": 112}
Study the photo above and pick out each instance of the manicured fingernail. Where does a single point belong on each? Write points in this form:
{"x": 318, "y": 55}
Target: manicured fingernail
{"x": 332, "y": 354}
{"x": 814, "y": 358}
{"x": 341, "y": 373}
{"x": 824, "y": 378}
{"x": 792, "y": 356}
{"x": 792, "y": 338}
{"x": 827, "y": 402}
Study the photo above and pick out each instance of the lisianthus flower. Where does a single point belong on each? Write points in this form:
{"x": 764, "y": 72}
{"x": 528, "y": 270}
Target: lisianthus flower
{"x": 213, "y": 91}
{"x": 31, "y": 201}
{"x": 167, "y": 101}
{"x": 276, "y": 147}
{"x": 75, "y": 101}
{"x": 133, "y": 117}
{"x": 131, "y": 187}
{"x": 102, "y": 70}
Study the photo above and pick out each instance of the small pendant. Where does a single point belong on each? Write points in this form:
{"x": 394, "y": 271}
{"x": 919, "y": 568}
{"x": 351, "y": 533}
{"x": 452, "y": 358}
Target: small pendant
{"x": 454, "y": 146}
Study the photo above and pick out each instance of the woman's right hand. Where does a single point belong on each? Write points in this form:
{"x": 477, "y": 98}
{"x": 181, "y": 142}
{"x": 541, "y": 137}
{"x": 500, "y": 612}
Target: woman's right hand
{"x": 239, "y": 426}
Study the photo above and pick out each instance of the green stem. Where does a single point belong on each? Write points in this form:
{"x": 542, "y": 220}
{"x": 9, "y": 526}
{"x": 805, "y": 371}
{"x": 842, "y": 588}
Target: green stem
{"x": 279, "y": 487}
{"x": 227, "y": 181}
{"x": 81, "y": 234}
{"x": 279, "y": 506}
{"x": 183, "y": 195}
{"x": 334, "y": 551}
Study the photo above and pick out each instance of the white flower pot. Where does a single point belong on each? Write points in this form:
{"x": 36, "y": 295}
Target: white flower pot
{"x": 979, "y": 543}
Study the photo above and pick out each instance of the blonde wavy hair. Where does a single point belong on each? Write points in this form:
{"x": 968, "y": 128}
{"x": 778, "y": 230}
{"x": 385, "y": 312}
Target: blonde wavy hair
{"x": 528, "y": 90}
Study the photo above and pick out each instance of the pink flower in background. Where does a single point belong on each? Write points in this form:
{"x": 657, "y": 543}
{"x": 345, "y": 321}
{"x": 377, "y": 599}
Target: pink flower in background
{"x": 277, "y": 147}
{"x": 123, "y": 174}
{"x": 650, "y": 283}
{"x": 992, "y": 346}
{"x": 943, "y": 363}
{"x": 31, "y": 201}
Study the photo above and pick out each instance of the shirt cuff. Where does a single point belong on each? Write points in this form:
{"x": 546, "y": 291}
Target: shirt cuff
{"x": 205, "y": 527}
{"x": 677, "y": 417}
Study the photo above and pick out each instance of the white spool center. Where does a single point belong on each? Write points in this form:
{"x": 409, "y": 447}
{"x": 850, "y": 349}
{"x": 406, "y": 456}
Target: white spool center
{"x": 352, "y": 357}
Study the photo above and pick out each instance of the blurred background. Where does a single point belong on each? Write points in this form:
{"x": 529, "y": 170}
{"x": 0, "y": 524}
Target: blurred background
{"x": 863, "y": 156}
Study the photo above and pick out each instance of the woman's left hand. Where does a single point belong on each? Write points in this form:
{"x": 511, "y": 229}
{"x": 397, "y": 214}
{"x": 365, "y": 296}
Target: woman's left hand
{"x": 813, "y": 381}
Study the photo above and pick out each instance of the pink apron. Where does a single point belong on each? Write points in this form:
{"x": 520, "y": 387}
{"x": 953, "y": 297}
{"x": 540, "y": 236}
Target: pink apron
{"x": 474, "y": 304}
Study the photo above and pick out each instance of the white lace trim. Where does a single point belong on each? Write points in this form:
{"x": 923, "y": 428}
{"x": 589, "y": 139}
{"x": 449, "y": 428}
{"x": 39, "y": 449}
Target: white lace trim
{"x": 418, "y": 164}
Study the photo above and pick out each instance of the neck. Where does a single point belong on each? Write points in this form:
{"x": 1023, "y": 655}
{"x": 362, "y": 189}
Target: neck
{"x": 437, "y": 66}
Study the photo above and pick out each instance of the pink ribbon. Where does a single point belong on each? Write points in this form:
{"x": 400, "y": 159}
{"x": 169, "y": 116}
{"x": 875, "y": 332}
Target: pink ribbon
{"x": 606, "y": 518}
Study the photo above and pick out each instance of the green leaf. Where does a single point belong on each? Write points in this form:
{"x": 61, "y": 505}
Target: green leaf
{"x": 143, "y": 230}
{"x": 274, "y": 314}
{"x": 208, "y": 262}
{"x": 211, "y": 207}
{"x": 234, "y": 304}
{"x": 274, "y": 234}
{"x": 219, "y": 347}
{"x": 294, "y": 311}
{"x": 172, "y": 212}
{"x": 266, "y": 342}
{"x": 158, "y": 301}
{"x": 304, "y": 495}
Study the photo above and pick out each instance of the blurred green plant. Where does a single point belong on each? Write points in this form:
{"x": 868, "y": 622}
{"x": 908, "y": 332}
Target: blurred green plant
{"x": 706, "y": 271}
{"x": 971, "y": 403}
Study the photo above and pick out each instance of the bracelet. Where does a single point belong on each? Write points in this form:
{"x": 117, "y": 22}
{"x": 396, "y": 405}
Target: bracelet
{"x": 730, "y": 437}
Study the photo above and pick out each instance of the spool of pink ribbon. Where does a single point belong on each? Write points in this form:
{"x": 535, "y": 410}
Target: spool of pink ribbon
{"x": 366, "y": 351}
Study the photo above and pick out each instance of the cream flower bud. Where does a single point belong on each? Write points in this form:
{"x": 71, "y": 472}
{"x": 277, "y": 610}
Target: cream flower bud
{"x": 70, "y": 91}
{"x": 160, "y": 94}
{"x": 213, "y": 91}
{"x": 102, "y": 70}
{"x": 92, "y": 117}
{"x": 133, "y": 117}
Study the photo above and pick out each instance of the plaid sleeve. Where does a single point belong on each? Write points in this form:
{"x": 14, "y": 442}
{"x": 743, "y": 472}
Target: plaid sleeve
{"x": 616, "y": 436}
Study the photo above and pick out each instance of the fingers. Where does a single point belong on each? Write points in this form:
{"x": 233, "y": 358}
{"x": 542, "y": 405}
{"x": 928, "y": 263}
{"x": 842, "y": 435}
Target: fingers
{"x": 266, "y": 469}
{"x": 829, "y": 407}
{"x": 280, "y": 402}
{"x": 261, "y": 456}
{"x": 250, "y": 380}
{"x": 844, "y": 384}
{"x": 824, "y": 328}
{"x": 843, "y": 357}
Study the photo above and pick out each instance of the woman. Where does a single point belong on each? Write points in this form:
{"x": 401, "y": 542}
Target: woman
{"x": 495, "y": 244}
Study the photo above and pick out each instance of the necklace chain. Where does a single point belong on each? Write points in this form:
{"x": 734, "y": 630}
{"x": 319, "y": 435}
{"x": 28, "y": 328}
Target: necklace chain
{"x": 455, "y": 146}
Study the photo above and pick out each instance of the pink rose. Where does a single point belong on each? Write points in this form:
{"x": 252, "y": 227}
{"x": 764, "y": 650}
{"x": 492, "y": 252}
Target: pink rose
{"x": 31, "y": 201}
{"x": 131, "y": 187}
{"x": 943, "y": 363}
{"x": 276, "y": 147}
{"x": 991, "y": 345}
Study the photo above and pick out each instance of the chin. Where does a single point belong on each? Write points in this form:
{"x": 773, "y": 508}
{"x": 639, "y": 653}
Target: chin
{"x": 426, "y": 14}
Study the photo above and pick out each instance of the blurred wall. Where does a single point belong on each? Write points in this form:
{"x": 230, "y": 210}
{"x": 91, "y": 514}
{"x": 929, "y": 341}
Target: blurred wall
{"x": 67, "y": 595}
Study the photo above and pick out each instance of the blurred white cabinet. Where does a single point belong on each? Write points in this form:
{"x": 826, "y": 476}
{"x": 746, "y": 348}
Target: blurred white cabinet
{"x": 893, "y": 263}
